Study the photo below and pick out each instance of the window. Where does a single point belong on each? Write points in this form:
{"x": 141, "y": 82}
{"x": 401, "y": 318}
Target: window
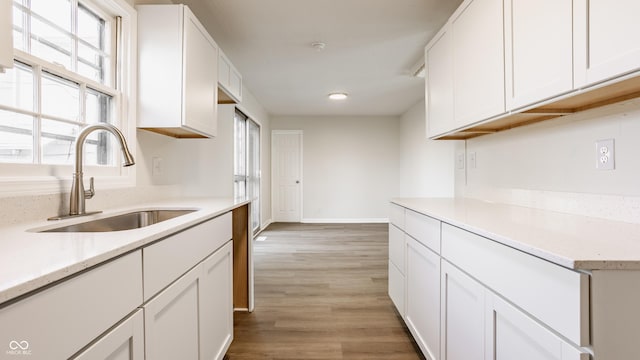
{"x": 73, "y": 66}
{"x": 246, "y": 169}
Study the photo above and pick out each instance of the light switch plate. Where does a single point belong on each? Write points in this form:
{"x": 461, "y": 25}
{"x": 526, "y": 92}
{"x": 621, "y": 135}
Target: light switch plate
{"x": 460, "y": 161}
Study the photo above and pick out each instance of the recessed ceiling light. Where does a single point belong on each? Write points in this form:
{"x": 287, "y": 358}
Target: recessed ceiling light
{"x": 338, "y": 96}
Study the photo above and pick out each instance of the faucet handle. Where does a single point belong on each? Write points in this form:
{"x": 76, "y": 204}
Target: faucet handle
{"x": 88, "y": 194}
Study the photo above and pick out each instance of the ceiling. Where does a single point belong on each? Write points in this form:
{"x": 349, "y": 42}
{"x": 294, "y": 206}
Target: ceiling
{"x": 371, "y": 49}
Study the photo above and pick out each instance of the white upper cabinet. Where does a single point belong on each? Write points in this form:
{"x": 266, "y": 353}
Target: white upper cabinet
{"x": 229, "y": 80}
{"x": 6, "y": 35}
{"x": 178, "y": 73}
{"x": 539, "y": 50}
{"x": 478, "y": 61}
{"x": 607, "y": 39}
{"x": 439, "y": 83}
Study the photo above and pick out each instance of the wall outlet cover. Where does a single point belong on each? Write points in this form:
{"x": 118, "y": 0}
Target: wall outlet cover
{"x": 605, "y": 154}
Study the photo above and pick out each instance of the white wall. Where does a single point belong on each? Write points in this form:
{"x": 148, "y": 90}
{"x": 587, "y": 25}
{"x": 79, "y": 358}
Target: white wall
{"x": 204, "y": 167}
{"x": 426, "y": 166}
{"x": 552, "y": 165}
{"x": 350, "y": 168}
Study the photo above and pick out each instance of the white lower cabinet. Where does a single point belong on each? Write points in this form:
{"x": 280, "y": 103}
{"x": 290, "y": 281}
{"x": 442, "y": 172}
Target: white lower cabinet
{"x": 467, "y": 297}
{"x": 124, "y": 342}
{"x": 216, "y": 303}
{"x": 510, "y": 334}
{"x": 193, "y": 317}
{"x": 422, "y": 313}
{"x": 397, "y": 267}
{"x": 171, "y": 320}
{"x": 61, "y": 320}
{"x": 462, "y": 321}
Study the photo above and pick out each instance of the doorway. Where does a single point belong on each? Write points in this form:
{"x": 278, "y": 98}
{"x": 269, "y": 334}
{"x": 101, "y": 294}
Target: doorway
{"x": 286, "y": 162}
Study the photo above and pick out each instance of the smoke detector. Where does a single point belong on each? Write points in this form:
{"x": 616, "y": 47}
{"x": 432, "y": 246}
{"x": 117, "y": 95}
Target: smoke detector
{"x": 318, "y": 45}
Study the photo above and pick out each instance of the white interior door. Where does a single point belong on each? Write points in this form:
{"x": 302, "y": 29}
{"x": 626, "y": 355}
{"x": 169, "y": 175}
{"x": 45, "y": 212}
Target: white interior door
{"x": 287, "y": 175}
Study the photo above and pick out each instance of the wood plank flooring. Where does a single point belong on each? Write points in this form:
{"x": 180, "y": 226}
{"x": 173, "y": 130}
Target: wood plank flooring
{"x": 321, "y": 293}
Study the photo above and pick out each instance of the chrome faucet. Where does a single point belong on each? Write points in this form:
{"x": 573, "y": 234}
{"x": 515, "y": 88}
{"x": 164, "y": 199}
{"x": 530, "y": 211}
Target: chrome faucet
{"x": 78, "y": 193}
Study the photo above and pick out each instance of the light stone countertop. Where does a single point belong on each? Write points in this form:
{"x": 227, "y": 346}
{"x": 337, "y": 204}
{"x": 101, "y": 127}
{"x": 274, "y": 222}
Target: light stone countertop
{"x": 30, "y": 260}
{"x": 572, "y": 241}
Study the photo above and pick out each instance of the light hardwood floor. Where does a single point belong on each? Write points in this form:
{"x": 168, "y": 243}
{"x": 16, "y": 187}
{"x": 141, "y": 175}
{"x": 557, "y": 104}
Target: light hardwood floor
{"x": 321, "y": 293}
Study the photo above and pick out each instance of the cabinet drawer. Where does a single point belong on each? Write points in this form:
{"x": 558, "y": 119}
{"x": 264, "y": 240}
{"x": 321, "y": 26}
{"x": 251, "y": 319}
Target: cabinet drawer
{"x": 57, "y": 322}
{"x": 424, "y": 229}
{"x": 554, "y": 295}
{"x": 169, "y": 258}
{"x": 396, "y": 247}
{"x": 396, "y": 216}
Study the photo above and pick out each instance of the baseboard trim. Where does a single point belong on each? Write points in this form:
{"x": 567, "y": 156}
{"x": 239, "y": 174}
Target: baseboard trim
{"x": 346, "y": 221}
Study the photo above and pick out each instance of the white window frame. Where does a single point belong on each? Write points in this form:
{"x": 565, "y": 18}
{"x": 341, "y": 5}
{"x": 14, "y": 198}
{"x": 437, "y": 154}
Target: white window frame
{"x": 35, "y": 179}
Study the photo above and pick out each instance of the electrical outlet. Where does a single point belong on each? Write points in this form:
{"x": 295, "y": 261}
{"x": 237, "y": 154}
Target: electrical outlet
{"x": 156, "y": 166}
{"x": 605, "y": 154}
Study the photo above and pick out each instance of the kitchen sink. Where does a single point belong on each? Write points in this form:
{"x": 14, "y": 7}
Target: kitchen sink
{"x": 128, "y": 221}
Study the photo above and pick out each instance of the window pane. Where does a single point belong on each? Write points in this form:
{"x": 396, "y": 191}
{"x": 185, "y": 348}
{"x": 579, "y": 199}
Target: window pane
{"x": 50, "y": 44}
{"x": 16, "y": 137}
{"x": 57, "y": 142}
{"x": 98, "y": 107}
{"x": 92, "y": 64}
{"x": 16, "y": 87}
{"x": 60, "y": 97}
{"x": 18, "y": 26}
{"x": 90, "y": 27}
{"x": 56, "y": 11}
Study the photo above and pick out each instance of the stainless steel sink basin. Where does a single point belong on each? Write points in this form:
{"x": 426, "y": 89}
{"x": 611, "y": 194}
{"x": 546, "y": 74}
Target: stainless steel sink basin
{"x": 128, "y": 221}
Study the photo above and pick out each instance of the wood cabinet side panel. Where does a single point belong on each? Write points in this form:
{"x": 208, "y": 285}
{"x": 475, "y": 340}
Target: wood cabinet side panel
{"x": 241, "y": 257}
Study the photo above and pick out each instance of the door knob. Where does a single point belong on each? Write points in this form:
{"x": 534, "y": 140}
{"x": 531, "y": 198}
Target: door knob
{"x": 297, "y": 181}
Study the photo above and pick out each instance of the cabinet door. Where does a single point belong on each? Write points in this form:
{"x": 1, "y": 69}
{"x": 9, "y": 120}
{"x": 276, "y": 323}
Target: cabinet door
{"x": 439, "y": 84}
{"x": 539, "y": 48}
{"x": 397, "y": 268}
{"x": 200, "y": 95}
{"x": 510, "y": 334}
{"x": 607, "y": 37}
{"x": 124, "y": 342}
{"x": 171, "y": 321}
{"x": 462, "y": 316}
{"x": 6, "y": 34}
{"x": 62, "y": 319}
{"x": 235, "y": 84}
{"x": 216, "y": 303}
{"x": 478, "y": 61}
{"x": 423, "y": 297}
